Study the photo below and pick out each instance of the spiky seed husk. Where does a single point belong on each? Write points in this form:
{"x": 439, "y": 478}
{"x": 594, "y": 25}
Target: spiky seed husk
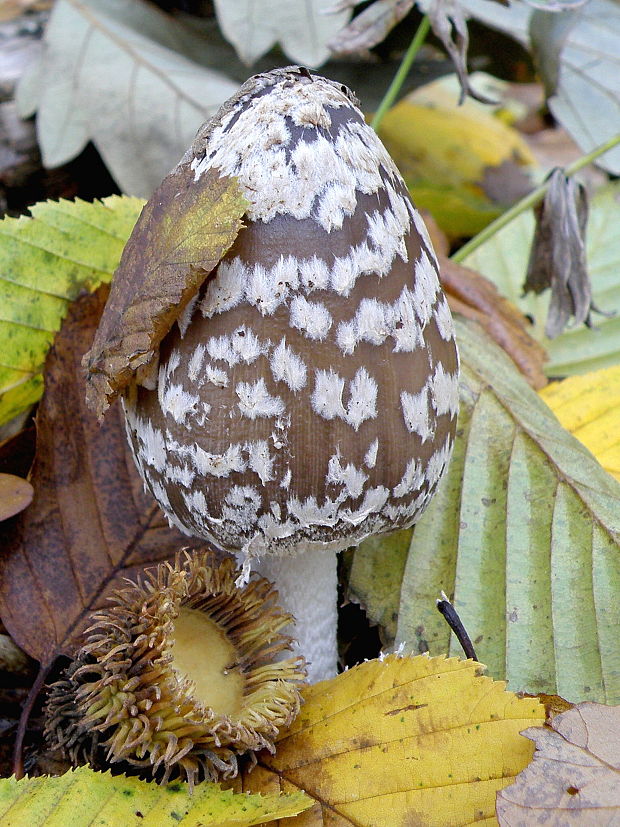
{"x": 123, "y": 693}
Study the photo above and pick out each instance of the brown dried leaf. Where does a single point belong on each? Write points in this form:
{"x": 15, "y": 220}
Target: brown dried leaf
{"x": 477, "y": 298}
{"x": 370, "y": 27}
{"x": 558, "y": 254}
{"x": 449, "y": 23}
{"x": 15, "y": 495}
{"x": 90, "y": 523}
{"x": 574, "y": 777}
{"x": 182, "y": 233}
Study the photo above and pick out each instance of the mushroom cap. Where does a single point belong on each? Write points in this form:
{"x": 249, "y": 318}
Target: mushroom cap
{"x": 308, "y": 396}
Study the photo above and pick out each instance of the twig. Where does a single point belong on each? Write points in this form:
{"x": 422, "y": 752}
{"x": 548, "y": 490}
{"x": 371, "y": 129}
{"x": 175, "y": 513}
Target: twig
{"x": 403, "y": 70}
{"x": 454, "y": 622}
{"x": 530, "y": 200}
{"x": 35, "y": 689}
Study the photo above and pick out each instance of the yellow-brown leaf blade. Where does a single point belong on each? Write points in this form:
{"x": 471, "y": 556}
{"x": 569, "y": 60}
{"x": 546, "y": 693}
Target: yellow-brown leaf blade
{"x": 404, "y": 741}
{"x": 182, "y": 233}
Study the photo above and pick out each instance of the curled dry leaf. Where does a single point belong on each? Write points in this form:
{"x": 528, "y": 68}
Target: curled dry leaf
{"x": 182, "y": 233}
{"x": 370, "y": 27}
{"x": 478, "y": 299}
{"x": 90, "y": 523}
{"x": 449, "y": 22}
{"x": 574, "y": 777}
{"x": 558, "y": 254}
{"x": 15, "y": 495}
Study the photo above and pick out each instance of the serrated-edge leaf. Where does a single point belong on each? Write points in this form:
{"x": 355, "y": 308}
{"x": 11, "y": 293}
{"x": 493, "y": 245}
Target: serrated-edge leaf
{"x": 45, "y": 261}
{"x": 401, "y": 741}
{"x": 110, "y": 801}
{"x": 533, "y": 567}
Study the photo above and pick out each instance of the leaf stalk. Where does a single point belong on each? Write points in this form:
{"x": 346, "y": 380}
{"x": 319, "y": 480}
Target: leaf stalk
{"x": 403, "y": 70}
{"x": 530, "y": 200}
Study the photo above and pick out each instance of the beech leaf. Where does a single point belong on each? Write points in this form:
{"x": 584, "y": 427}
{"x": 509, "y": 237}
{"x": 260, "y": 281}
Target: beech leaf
{"x": 109, "y": 801}
{"x": 448, "y": 154}
{"x": 575, "y": 775}
{"x": 524, "y": 535}
{"x": 15, "y": 495}
{"x": 401, "y": 741}
{"x": 45, "y": 261}
{"x": 478, "y": 299}
{"x": 182, "y": 233}
{"x": 90, "y": 523}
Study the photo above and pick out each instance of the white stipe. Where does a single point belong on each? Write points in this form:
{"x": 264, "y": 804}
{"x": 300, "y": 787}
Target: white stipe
{"x": 308, "y": 587}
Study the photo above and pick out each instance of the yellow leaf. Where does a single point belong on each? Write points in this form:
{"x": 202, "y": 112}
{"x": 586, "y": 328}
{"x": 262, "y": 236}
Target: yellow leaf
{"x": 588, "y": 406}
{"x": 100, "y": 798}
{"x": 403, "y": 741}
{"x": 460, "y": 163}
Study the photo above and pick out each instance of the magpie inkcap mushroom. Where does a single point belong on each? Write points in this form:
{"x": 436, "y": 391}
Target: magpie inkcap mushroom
{"x": 307, "y": 398}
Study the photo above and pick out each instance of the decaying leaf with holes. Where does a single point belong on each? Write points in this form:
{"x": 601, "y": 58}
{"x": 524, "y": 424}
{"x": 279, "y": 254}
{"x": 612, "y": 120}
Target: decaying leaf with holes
{"x": 574, "y": 778}
{"x": 307, "y": 399}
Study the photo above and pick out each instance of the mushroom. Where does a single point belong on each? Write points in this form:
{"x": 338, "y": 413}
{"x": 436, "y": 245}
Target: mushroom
{"x": 307, "y": 398}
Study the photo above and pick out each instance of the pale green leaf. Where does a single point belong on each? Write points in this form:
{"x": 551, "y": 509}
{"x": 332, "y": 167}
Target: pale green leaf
{"x": 110, "y": 801}
{"x": 525, "y": 533}
{"x": 301, "y": 27}
{"x": 578, "y": 54}
{"x": 123, "y": 75}
{"x": 45, "y": 261}
{"x": 503, "y": 260}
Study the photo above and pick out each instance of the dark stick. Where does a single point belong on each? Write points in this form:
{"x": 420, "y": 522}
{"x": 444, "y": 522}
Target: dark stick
{"x": 37, "y": 686}
{"x": 454, "y": 622}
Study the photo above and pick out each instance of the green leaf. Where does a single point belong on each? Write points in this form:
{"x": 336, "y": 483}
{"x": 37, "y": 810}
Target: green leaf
{"x": 375, "y": 578}
{"x": 503, "y": 260}
{"x": 109, "y": 801}
{"x": 124, "y": 76}
{"x": 45, "y": 261}
{"x": 525, "y": 533}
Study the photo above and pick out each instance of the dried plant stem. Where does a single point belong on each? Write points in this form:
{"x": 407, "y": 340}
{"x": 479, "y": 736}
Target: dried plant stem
{"x": 18, "y": 749}
{"x": 403, "y": 70}
{"x": 530, "y": 200}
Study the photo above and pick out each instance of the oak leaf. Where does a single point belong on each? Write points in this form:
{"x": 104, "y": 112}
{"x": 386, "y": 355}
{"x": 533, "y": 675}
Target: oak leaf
{"x": 574, "y": 777}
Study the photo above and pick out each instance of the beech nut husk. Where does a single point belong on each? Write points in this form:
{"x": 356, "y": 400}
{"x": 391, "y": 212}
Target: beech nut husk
{"x": 180, "y": 675}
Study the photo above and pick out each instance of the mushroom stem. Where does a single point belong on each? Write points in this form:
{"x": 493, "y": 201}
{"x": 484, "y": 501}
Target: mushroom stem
{"x": 307, "y": 583}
